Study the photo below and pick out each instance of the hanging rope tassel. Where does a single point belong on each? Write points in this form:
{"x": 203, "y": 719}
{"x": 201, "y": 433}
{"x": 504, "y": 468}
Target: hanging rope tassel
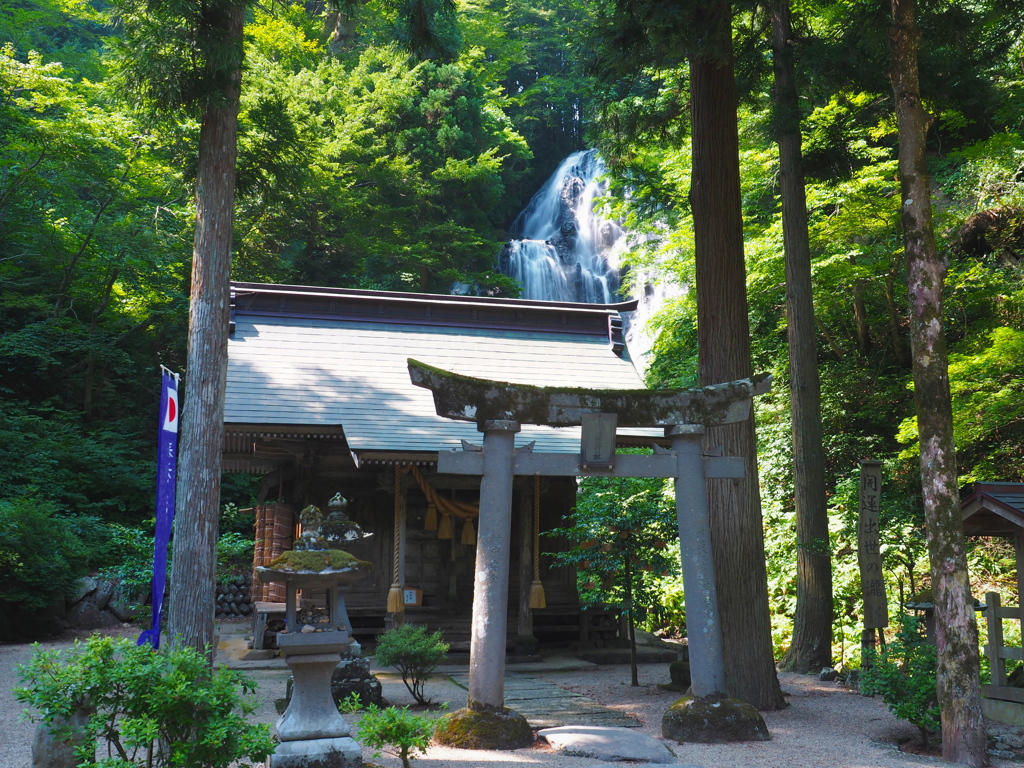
{"x": 396, "y": 595}
{"x": 444, "y": 528}
{"x": 537, "y": 598}
{"x": 430, "y": 524}
{"x": 469, "y": 534}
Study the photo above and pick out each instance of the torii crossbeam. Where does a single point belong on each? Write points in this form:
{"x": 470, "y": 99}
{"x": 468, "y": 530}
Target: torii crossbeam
{"x": 499, "y": 408}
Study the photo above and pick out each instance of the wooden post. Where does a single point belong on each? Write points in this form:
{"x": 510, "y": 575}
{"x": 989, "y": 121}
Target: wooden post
{"x": 996, "y": 662}
{"x": 1018, "y": 548}
{"x": 525, "y": 515}
{"x": 872, "y": 582}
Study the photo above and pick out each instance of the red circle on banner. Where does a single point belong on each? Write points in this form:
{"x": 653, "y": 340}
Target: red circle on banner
{"x": 171, "y": 410}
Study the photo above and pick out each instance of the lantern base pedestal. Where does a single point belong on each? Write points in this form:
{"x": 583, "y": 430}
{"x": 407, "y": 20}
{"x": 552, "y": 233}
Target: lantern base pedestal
{"x": 341, "y": 752}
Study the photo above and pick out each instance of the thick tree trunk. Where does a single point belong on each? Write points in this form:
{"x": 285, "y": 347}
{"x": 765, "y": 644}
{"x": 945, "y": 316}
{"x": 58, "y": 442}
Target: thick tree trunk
{"x": 193, "y": 573}
{"x": 811, "y": 646}
{"x": 956, "y": 633}
{"x": 724, "y": 354}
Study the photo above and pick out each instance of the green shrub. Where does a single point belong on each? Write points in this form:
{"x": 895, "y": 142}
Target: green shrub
{"x": 41, "y": 555}
{"x": 398, "y": 728}
{"x": 133, "y": 569}
{"x": 147, "y": 708}
{"x": 904, "y": 674}
{"x": 414, "y": 653}
{"x": 234, "y": 556}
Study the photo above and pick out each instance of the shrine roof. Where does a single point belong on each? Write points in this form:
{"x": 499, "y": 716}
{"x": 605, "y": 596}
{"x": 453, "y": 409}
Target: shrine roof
{"x": 311, "y": 360}
{"x": 993, "y": 509}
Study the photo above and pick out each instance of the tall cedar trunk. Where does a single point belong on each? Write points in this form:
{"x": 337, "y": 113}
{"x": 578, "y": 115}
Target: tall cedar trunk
{"x": 956, "y": 633}
{"x": 724, "y": 353}
{"x": 193, "y": 573}
{"x": 811, "y": 647}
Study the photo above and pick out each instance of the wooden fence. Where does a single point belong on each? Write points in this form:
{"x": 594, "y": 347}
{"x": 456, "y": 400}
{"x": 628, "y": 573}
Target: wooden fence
{"x": 998, "y": 652}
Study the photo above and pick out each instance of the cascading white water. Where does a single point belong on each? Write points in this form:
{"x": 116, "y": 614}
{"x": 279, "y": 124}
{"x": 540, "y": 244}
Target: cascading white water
{"x": 566, "y": 252}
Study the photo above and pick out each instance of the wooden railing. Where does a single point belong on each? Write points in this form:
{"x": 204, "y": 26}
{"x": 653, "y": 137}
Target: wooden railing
{"x": 997, "y": 651}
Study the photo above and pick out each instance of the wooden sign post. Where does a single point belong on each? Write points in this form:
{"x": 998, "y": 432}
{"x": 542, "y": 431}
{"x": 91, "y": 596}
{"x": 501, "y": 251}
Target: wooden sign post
{"x": 876, "y": 607}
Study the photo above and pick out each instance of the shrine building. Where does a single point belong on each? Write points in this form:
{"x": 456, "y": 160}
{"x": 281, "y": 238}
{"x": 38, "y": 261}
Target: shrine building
{"x": 319, "y": 401}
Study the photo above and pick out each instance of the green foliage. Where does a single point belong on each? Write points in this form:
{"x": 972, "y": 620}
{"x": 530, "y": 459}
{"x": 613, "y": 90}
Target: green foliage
{"x": 398, "y": 728}
{"x": 133, "y": 569}
{"x": 146, "y": 707}
{"x": 41, "y": 556}
{"x": 415, "y": 654}
{"x": 350, "y": 704}
{"x": 620, "y": 534}
{"x": 378, "y": 172}
{"x": 172, "y": 55}
{"x": 234, "y": 556}
{"x": 904, "y": 674}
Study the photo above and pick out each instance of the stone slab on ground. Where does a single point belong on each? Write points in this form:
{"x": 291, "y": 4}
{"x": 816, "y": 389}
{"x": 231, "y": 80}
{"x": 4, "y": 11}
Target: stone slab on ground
{"x": 546, "y": 705}
{"x": 604, "y": 743}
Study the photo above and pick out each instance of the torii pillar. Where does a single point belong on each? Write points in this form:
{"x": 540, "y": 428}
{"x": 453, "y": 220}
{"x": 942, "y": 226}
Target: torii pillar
{"x": 499, "y": 408}
{"x": 490, "y": 580}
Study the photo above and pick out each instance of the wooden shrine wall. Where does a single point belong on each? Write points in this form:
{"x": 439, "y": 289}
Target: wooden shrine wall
{"x": 442, "y": 568}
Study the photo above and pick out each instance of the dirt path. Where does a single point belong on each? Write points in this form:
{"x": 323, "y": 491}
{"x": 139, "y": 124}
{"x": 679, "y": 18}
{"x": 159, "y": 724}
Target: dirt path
{"x": 824, "y": 726}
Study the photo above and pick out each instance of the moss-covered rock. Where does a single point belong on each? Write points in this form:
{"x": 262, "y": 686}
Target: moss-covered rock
{"x": 480, "y": 726}
{"x": 713, "y": 720}
{"x": 318, "y": 561}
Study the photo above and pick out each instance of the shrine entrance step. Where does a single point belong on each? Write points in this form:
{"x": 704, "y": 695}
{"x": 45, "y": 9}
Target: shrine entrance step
{"x": 545, "y": 705}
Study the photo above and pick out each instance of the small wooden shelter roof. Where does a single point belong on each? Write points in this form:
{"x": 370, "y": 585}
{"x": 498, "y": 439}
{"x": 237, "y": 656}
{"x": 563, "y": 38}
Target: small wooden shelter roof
{"x": 993, "y": 509}
{"x": 332, "y": 363}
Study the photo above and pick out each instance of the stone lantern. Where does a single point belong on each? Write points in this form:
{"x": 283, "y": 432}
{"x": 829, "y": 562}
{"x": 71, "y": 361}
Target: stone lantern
{"x": 312, "y": 731}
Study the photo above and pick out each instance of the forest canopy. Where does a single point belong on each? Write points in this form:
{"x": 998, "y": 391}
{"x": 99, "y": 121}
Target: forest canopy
{"x": 369, "y": 158}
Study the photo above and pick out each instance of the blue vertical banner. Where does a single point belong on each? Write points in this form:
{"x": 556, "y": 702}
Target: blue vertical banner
{"x": 166, "y": 476}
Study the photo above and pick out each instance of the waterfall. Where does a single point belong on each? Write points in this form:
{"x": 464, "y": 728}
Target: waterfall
{"x": 564, "y": 251}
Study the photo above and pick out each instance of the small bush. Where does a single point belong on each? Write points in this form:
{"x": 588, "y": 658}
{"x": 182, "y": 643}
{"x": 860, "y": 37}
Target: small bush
{"x": 234, "y": 556}
{"x": 414, "y": 653}
{"x": 41, "y": 555}
{"x": 398, "y": 728}
{"x": 904, "y": 674}
{"x": 147, "y": 708}
{"x": 134, "y": 567}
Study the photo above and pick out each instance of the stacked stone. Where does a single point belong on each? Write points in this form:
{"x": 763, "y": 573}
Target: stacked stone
{"x": 603, "y": 632}
{"x": 233, "y": 598}
{"x": 353, "y": 676}
{"x": 96, "y": 603}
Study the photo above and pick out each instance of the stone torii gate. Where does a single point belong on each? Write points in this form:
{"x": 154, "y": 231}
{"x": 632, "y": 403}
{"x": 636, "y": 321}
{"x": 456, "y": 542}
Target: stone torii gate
{"x": 499, "y": 408}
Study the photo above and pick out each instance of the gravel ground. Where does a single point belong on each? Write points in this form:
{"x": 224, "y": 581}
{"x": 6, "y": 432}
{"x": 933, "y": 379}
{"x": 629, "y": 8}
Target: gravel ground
{"x": 824, "y": 726}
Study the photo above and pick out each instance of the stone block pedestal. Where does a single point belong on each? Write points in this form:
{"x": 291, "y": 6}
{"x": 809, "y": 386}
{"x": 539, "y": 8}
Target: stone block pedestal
{"x": 317, "y": 753}
{"x": 313, "y": 733}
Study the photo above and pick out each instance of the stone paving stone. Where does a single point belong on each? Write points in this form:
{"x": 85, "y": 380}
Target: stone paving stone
{"x": 605, "y": 743}
{"x": 545, "y": 705}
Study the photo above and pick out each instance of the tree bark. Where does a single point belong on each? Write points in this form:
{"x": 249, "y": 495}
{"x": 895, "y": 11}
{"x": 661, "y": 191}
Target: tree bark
{"x": 956, "y": 633}
{"x": 193, "y": 571}
{"x": 811, "y": 647}
{"x": 860, "y": 316}
{"x": 724, "y": 354}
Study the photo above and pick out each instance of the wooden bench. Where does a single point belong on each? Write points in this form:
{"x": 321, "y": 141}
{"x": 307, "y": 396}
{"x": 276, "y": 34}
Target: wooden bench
{"x": 262, "y": 613}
